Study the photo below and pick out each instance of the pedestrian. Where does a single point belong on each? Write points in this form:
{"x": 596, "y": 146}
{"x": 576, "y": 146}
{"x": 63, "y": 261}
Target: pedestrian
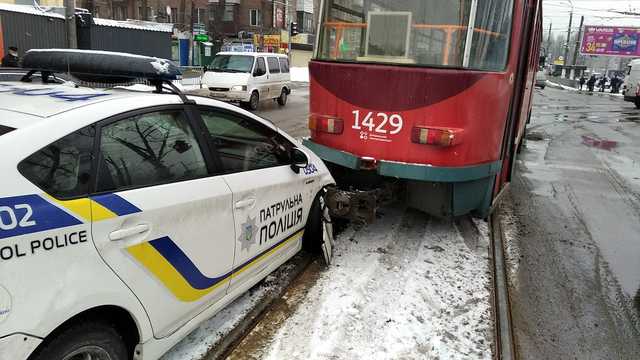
{"x": 582, "y": 81}
{"x": 591, "y": 83}
{"x": 602, "y": 83}
{"x": 12, "y": 59}
{"x": 615, "y": 84}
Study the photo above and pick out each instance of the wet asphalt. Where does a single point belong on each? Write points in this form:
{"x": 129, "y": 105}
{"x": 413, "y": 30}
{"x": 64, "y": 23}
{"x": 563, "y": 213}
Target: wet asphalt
{"x": 573, "y": 229}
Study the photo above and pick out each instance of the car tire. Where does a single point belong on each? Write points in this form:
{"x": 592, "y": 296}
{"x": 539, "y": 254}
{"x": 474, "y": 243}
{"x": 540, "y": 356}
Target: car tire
{"x": 542, "y": 87}
{"x": 97, "y": 339}
{"x": 282, "y": 100}
{"x": 638, "y": 102}
{"x": 314, "y": 234}
{"x": 254, "y": 101}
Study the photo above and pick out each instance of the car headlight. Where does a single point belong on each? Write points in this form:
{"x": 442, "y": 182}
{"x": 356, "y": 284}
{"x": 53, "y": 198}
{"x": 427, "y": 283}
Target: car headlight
{"x": 239, "y": 88}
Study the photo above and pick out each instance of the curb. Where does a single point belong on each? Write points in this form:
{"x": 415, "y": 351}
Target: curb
{"x": 563, "y": 87}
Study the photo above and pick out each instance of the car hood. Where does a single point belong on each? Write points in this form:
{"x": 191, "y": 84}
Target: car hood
{"x": 222, "y": 79}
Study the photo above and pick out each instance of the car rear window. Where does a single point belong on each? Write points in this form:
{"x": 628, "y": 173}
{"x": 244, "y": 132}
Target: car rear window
{"x": 5, "y": 129}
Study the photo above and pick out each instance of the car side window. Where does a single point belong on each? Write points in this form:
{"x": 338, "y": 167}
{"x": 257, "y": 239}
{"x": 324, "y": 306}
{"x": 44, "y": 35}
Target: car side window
{"x": 243, "y": 144}
{"x": 63, "y": 168}
{"x": 261, "y": 68}
{"x": 284, "y": 65}
{"x": 148, "y": 149}
{"x": 274, "y": 65}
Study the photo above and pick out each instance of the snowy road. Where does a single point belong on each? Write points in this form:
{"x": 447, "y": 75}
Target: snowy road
{"x": 406, "y": 287}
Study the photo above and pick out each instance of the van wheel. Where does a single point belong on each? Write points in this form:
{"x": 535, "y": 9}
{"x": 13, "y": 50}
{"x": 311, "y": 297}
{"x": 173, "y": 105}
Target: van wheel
{"x": 254, "y": 101}
{"x": 282, "y": 100}
{"x": 90, "y": 340}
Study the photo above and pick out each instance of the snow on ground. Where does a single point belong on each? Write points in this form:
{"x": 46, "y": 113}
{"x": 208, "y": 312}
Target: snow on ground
{"x": 405, "y": 287}
{"x": 300, "y": 74}
{"x": 564, "y": 87}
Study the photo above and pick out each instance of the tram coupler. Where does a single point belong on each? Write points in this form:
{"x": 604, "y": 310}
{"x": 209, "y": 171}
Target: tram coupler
{"x": 358, "y": 206}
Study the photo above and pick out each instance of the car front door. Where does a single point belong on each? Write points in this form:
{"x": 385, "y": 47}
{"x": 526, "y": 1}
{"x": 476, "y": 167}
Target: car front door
{"x": 161, "y": 219}
{"x": 270, "y": 201}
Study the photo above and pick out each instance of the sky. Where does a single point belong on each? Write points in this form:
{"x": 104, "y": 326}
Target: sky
{"x": 596, "y": 12}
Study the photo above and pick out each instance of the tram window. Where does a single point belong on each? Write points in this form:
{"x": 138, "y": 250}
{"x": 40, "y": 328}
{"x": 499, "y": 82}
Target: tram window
{"x": 490, "y": 46}
{"x": 417, "y": 32}
{"x": 436, "y": 30}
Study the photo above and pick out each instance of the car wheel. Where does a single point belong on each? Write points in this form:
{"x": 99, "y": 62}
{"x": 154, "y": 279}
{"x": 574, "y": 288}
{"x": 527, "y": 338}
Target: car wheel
{"x": 638, "y": 102}
{"x": 282, "y": 100}
{"x": 91, "y": 340}
{"x": 318, "y": 233}
{"x": 254, "y": 101}
{"x": 542, "y": 87}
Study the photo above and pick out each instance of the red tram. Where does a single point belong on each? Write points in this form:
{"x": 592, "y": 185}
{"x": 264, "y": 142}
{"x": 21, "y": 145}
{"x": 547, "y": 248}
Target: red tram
{"x": 435, "y": 93}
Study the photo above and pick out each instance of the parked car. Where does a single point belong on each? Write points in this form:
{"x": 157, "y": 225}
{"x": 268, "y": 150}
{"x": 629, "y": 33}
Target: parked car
{"x": 128, "y": 218}
{"x": 248, "y": 78}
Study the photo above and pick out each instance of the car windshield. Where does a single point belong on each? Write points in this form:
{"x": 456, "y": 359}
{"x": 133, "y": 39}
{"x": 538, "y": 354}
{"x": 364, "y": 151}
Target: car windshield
{"x": 417, "y": 32}
{"x": 232, "y": 63}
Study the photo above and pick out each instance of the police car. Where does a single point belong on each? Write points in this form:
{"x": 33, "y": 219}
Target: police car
{"x": 127, "y": 218}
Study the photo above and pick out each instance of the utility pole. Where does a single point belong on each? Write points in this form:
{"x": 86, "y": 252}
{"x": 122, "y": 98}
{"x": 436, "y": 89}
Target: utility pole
{"x": 575, "y": 50}
{"x": 70, "y": 21}
{"x": 549, "y": 36}
{"x": 566, "y": 48}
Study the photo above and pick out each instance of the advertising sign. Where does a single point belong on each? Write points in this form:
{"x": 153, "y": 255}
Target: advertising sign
{"x": 279, "y": 18}
{"x": 610, "y": 41}
{"x": 1, "y": 42}
{"x": 272, "y": 40}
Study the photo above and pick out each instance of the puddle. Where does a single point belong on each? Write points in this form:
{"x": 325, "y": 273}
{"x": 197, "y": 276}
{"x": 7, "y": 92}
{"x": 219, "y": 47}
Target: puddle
{"x": 599, "y": 143}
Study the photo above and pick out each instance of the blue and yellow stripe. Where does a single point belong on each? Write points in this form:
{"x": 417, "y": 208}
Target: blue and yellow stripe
{"x": 173, "y": 268}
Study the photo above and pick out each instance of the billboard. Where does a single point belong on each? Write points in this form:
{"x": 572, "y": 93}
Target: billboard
{"x": 610, "y": 41}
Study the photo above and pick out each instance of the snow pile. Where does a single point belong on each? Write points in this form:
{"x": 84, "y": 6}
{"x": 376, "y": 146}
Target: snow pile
{"x": 406, "y": 287}
{"x": 299, "y": 74}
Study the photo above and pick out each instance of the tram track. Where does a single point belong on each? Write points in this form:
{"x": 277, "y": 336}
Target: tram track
{"x": 505, "y": 348}
{"x": 254, "y": 337}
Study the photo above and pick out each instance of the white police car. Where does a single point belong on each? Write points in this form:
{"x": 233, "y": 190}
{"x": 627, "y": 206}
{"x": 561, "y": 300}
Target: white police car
{"x": 127, "y": 218}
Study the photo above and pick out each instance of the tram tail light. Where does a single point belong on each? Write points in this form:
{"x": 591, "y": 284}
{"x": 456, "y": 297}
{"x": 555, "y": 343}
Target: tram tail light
{"x": 436, "y": 136}
{"x": 326, "y": 124}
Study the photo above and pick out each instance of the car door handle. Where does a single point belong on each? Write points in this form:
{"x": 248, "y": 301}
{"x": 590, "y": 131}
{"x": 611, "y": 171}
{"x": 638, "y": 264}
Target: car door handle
{"x": 245, "y": 203}
{"x": 127, "y": 232}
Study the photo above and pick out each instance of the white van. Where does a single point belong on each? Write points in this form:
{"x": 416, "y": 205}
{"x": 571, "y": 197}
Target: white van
{"x": 631, "y": 90}
{"x": 248, "y": 78}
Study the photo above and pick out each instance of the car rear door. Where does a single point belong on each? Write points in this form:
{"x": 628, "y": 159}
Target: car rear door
{"x": 270, "y": 201}
{"x": 161, "y": 219}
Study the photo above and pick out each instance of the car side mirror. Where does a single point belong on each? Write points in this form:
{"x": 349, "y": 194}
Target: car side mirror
{"x": 299, "y": 160}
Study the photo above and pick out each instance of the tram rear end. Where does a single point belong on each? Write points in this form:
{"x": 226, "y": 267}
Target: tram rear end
{"x": 424, "y": 93}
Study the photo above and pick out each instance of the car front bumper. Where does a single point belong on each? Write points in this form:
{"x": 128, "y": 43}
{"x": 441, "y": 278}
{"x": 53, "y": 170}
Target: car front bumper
{"x": 18, "y": 346}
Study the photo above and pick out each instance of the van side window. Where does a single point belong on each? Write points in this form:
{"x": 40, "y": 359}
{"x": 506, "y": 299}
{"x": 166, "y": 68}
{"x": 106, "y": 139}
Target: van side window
{"x": 260, "y": 66}
{"x": 274, "y": 65}
{"x": 284, "y": 65}
{"x": 63, "y": 168}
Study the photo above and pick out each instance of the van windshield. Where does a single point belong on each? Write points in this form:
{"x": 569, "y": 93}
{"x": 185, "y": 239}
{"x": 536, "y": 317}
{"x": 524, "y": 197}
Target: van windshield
{"x": 232, "y": 63}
